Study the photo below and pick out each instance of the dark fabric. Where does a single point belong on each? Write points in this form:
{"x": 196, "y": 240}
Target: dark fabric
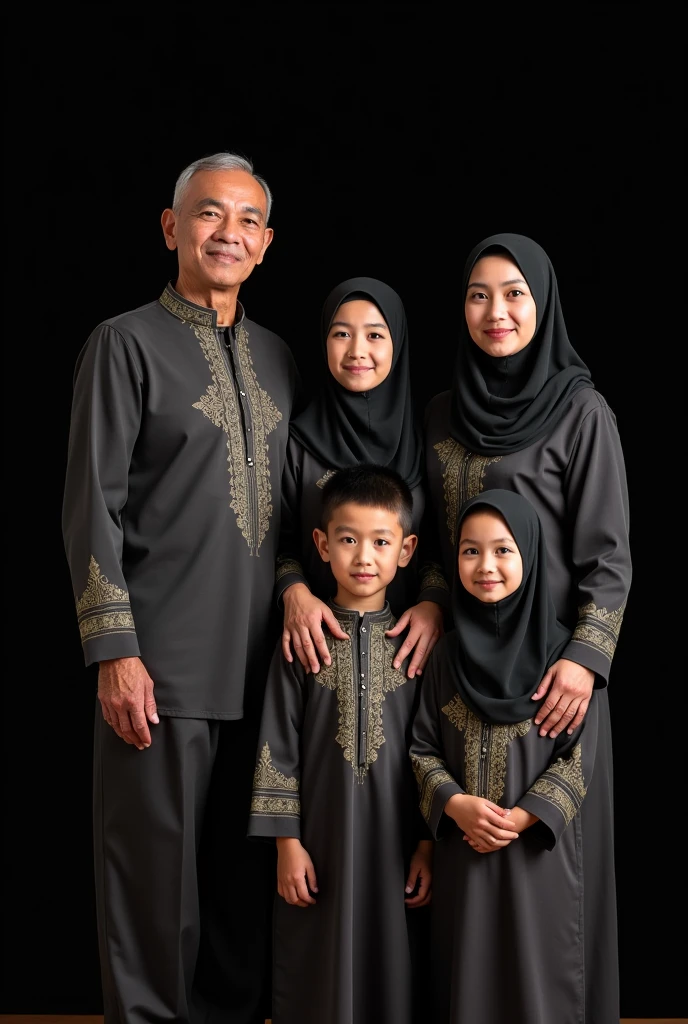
{"x": 343, "y": 428}
{"x": 172, "y": 497}
{"x": 501, "y": 650}
{"x": 333, "y": 771}
{"x": 183, "y": 898}
{"x": 502, "y": 405}
{"x": 539, "y": 914}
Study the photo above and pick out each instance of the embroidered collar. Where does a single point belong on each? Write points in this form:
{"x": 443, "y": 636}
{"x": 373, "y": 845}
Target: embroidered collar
{"x": 349, "y": 617}
{"x": 189, "y": 312}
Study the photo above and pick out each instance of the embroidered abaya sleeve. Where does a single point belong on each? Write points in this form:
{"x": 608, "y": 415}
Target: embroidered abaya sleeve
{"x": 290, "y": 567}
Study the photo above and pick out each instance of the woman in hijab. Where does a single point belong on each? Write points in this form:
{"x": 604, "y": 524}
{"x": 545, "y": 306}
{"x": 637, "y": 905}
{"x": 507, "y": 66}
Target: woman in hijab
{"x": 523, "y": 415}
{"x": 509, "y": 913}
{"x": 362, "y": 413}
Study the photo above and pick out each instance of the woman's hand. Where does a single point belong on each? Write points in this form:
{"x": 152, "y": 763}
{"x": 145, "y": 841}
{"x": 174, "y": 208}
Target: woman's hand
{"x": 570, "y": 687}
{"x": 425, "y": 622}
{"x": 304, "y": 615}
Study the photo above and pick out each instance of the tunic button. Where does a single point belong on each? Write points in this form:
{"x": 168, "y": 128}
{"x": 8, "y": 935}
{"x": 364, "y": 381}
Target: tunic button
{"x": 243, "y": 394}
{"x": 363, "y": 629}
{"x": 250, "y": 461}
{"x": 362, "y": 675}
{"x": 248, "y": 429}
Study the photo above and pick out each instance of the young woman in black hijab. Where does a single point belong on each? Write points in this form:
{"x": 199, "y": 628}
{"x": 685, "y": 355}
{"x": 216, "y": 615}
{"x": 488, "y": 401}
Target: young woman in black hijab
{"x": 523, "y": 415}
{"x": 361, "y": 414}
{"x": 509, "y": 899}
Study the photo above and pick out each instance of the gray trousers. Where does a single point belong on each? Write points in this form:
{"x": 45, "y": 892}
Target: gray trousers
{"x": 183, "y": 899}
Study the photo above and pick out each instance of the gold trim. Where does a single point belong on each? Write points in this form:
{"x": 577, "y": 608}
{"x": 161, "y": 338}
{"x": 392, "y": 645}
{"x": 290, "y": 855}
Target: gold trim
{"x": 599, "y": 628}
{"x": 266, "y": 776}
{"x": 276, "y": 806}
{"x": 103, "y": 608}
{"x": 327, "y": 475}
{"x": 431, "y": 575}
{"x": 430, "y": 773}
{"x": 286, "y": 566}
{"x": 185, "y": 312}
{"x": 462, "y": 477}
{"x": 274, "y": 793}
{"x": 220, "y": 405}
{"x": 485, "y": 769}
{"x": 563, "y": 785}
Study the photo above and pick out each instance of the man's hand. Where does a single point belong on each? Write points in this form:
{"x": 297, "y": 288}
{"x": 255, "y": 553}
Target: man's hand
{"x": 425, "y": 624}
{"x": 125, "y": 692}
{"x": 420, "y": 873}
{"x": 570, "y": 687}
{"x": 304, "y": 615}
{"x": 483, "y": 821}
{"x": 295, "y": 872}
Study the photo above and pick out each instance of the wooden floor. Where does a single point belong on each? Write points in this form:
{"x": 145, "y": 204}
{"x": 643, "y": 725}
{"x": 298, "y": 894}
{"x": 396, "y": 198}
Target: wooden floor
{"x": 49, "y": 1018}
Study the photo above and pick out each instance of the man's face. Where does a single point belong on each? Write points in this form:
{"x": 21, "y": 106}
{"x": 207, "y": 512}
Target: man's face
{"x": 219, "y": 232}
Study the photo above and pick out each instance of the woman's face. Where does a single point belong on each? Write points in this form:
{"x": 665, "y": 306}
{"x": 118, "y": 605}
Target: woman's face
{"x": 500, "y": 310}
{"x": 359, "y": 346}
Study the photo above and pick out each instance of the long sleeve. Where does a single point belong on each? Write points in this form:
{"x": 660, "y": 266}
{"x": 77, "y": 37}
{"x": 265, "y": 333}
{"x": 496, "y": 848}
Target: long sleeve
{"x": 432, "y": 583}
{"x": 556, "y": 796}
{"x": 597, "y": 497}
{"x": 105, "y": 421}
{"x": 275, "y": 806}
{"x": 289, "y": 568}
{"x": 435, "y": 783}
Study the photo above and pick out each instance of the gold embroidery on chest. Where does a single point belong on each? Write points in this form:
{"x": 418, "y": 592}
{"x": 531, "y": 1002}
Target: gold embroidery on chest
{"x": 485, "y": 749}
{"x": 381, "y": 679}
{"x": 563, "y": 785}
{"x": 327, "y": 475}
{"x": 249, "y": 486}
{"x": 462, "y": 477}
{"x": 598, "y": 628}
{"x": 431, "y": 773}
{"x": 103, "y": 608}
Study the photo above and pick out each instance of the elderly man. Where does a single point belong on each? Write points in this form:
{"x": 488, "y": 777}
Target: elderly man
{"x": 171, "y": 515}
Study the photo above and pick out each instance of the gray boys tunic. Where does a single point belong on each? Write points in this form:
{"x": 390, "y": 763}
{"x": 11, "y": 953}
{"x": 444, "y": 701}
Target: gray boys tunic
{"x": 575, "y": 478}
{"x": 508, "y": 926}
{"x": 333, "y": 770}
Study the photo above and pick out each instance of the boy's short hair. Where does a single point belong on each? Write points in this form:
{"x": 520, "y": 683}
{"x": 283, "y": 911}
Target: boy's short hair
{"x": 369, "y": 485}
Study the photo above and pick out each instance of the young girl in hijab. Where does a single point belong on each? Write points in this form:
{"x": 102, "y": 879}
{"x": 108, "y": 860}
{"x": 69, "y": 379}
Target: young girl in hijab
{"x": 508, "y": 895}
{"x": 523, "y": 414}
{"x": 361, "y": 414}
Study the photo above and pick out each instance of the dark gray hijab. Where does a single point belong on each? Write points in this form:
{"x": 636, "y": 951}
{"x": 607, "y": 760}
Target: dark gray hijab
{"x": 501, "y": 650}
{"x": 502, "y": 405}
{"x": 344, "y": 428}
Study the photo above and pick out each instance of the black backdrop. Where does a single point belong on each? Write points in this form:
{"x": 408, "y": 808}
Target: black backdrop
{"x": 393, "y": 137}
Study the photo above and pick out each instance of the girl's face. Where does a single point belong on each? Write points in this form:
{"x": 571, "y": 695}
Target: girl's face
{"x": 500, "y": 310}
{"x": 490, "y": 564}
{"x": 359, "y": 346}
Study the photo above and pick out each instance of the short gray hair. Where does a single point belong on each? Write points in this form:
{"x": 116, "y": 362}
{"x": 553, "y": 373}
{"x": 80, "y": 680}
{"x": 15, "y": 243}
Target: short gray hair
{"x": 219, "y": 162}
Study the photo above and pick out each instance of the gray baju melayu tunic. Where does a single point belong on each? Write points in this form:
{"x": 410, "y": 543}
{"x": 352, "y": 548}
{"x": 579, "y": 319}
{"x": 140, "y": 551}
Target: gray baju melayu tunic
{"x": 575, "y": 478}
{"x": 333, "y": 770}
{"x": 298, "y": 559}
{"x": 171, "y": 518}
{"x": 509, "y": 926}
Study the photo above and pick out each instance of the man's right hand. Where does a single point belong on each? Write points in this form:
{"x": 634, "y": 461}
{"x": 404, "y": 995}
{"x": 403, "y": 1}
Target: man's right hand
{"x": 304, "y": 615}
{"x": 125, "y": 692}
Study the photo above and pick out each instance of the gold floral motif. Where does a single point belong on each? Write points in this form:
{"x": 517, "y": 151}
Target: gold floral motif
{"x": 276, "y": 806}
{"x": 287, "y": 565}
{"x": 463, "y": 477}
{"x": 220, "y": 405}
{"x": 485, "y": 749}
{"x": 431, "y": 773}
{"x": 327, "y": 475}
{"x": 266, "y": 776}
{"x": 183, "y": 311}
{"x": 103, "y": 608}
{"x": 599, "y": 628}
{"x": 563, "y": 785}
{"x": 431, "y": 575}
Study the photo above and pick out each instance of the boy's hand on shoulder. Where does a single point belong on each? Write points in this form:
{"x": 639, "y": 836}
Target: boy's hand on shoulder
{"x": 295, "y": 873}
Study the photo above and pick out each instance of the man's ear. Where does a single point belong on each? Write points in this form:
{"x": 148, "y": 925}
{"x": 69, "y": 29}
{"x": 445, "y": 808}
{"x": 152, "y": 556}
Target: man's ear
{"x": 169, "y": 228}
{"x": 320, "y": 541}
{"x": 407, "y": 549}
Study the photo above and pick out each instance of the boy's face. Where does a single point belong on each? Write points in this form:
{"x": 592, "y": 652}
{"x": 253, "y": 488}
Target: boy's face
{"x": 490, "y": 564}
{"x": 364, "y": 547}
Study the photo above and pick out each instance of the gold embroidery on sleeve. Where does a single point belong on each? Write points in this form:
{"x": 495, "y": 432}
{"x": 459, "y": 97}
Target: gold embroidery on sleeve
{"x": 269, "y": 786}
{"x": 431, "y": 575}
{"x": 103, "y": 608}
{"x": 327, "y": 475}
{"x": 485, "y": 749}
{"x": 287, "y": 565}
{"x": 598, "y": 628}
{"x": 563, "y": 785}
{"x": 463, "y": 477}
{"x": 430, "y": 773}
{"x": 249, "y": 486}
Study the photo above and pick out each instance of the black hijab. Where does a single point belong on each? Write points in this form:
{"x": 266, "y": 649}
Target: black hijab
{"x": 501, "y": 651}
{"x": 504, "y": 404}
{"x": 344, "y": 428}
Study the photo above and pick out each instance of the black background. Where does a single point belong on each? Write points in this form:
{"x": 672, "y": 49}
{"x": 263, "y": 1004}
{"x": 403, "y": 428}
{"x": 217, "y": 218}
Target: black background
{"x": 394, "y": 137}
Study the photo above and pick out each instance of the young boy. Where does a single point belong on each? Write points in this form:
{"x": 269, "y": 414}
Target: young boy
{"x": 334, "y": 784}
